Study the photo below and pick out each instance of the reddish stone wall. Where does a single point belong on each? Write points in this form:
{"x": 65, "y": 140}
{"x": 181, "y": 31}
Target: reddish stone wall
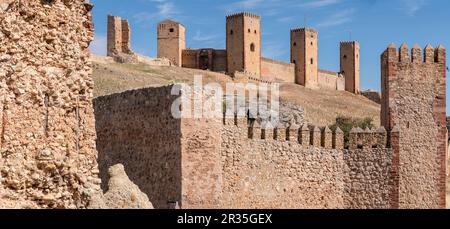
{"x": 214, "y": 163}
{"x": 330, "y": 80}
{"x": 413, "y": 105}
{"x": 277, "y": 71}
{"x": 136, "y": 129}
{"x": 48, "y": 156}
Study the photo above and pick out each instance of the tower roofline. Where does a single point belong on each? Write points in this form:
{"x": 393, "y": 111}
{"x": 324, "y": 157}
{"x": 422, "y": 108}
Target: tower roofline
{"x": 302, "y": 29}
{"x": 244, "y": 14}
{"x": 170, "y": 21}
{"x": 349, "y": 42}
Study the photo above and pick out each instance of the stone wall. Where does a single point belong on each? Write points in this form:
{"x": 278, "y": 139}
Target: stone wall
{"x": 369, "y": 182}
{"x": 205, "y": 59}
{"x": 224, "y": 163}
{"x": 136, "y": 129}
{"x": 267, "y": 173}
{"x": 375, "y": 96}
{"x": 48, "y": 156}
{"x": 277, "y": 71}
{"x": 220, "y": 60}
{"x": 189, "y": 58}
{"x": 331, "y": 80}
{"x": 414, "y": 109}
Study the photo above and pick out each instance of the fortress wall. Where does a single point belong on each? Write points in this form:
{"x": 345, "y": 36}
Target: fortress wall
{"x": 136, "y": 129}
{"x": 279, "y": 174}
{"x": 369, "y": 182}
{"x": 279, "y": 71}
{"x": 48, "y": 156}
{"x": 201, "y": 165}
{"x": 413, "y": 107}
{"x": 303, "y": 168}
{"x": 331, "y": 80}
{"x": 189, "y": 58}
{"x": 220, "y": 61}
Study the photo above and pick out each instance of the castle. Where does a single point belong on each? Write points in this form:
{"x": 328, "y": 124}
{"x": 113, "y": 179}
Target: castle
{"x": 241, "y": 163}
{"x": 242, "y": 55}
{"x": 52, "y": 155}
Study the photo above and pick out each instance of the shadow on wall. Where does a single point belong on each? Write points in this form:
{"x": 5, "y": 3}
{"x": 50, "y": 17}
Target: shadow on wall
{"x": 136, "y": 129}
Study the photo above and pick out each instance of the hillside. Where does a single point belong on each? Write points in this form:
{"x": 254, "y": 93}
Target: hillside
{"x": 321, "y": 106}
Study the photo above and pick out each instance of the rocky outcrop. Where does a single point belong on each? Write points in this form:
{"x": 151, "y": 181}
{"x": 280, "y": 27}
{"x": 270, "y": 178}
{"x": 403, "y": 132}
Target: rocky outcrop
{"x": 122, "y": 193}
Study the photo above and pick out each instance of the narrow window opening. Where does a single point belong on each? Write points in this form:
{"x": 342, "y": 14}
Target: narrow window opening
{"x": 172, "y": 30}
{"x": 252, "y": 47}
{"x": 312, "y": 61}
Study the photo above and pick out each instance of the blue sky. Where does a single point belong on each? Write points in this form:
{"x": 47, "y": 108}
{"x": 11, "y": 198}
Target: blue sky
{"x": 374, "y": 23}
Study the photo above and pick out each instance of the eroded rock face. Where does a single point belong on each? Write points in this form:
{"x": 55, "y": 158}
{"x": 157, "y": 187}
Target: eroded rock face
{"x": 122, "y": 193}
{"x": 47, "y": 133}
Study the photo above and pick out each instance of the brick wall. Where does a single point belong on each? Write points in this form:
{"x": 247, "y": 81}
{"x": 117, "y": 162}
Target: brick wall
{"x": 277, "y": 71}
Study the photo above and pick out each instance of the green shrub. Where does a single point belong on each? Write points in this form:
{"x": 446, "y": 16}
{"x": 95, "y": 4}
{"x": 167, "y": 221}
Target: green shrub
{"x": 346, "y": 124}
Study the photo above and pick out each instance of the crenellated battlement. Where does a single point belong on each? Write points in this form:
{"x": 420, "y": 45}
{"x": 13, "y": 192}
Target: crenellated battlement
{"x": 368, "y": 138}
{"x": 305, "y": 135}
{"x": 311, "y": 30}
{"x": 415, "y": 54}
{"x": 309, "y": 135}
{"x": 348, "y": 42}
{"x": 243, "y": 14}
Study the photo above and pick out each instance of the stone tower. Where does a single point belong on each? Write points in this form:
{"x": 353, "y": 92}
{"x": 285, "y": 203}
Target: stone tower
{"x": 119, "y": 34}
{"x": 305, "y": 55}
{"x": 413, "y": 109}
{"x": 244, "y": 43}
{"x": 350, "y": 67}
{"x": 171, "y": 41}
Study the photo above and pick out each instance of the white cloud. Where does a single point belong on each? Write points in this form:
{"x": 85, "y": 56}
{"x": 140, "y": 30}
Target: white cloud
{"x": 411, "y": 7}
{"x": 248, "y": 3}
{"x": 99, "y": 45}
{"x": 269, "y": 7}
{"x": 319, "y": 3}
{"x": 285, "y": 19}
{"x": 339, "y": 18}
{"x": 273, "y": 50}
{"x": 165, "y": 9}
{"x": 199, "y": 37}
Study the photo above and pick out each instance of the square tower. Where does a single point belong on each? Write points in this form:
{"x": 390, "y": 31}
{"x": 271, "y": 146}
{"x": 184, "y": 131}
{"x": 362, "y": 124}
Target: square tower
{"x": 305, "y": 55}
{"x": 350, "y": 66}
{"x": 114, "y": 41}
{"x": 244, "y": 43}
{"x": 171, "y": 41}
{"x": 119, "y": 34}
{"x": 413, "y": 109}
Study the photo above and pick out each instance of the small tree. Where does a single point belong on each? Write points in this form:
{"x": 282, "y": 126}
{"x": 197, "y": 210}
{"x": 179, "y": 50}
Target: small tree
{"x": 346, "y": 124}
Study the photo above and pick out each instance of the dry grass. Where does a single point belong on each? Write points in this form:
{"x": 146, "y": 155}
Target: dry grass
{"x": 321, "y": 106}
